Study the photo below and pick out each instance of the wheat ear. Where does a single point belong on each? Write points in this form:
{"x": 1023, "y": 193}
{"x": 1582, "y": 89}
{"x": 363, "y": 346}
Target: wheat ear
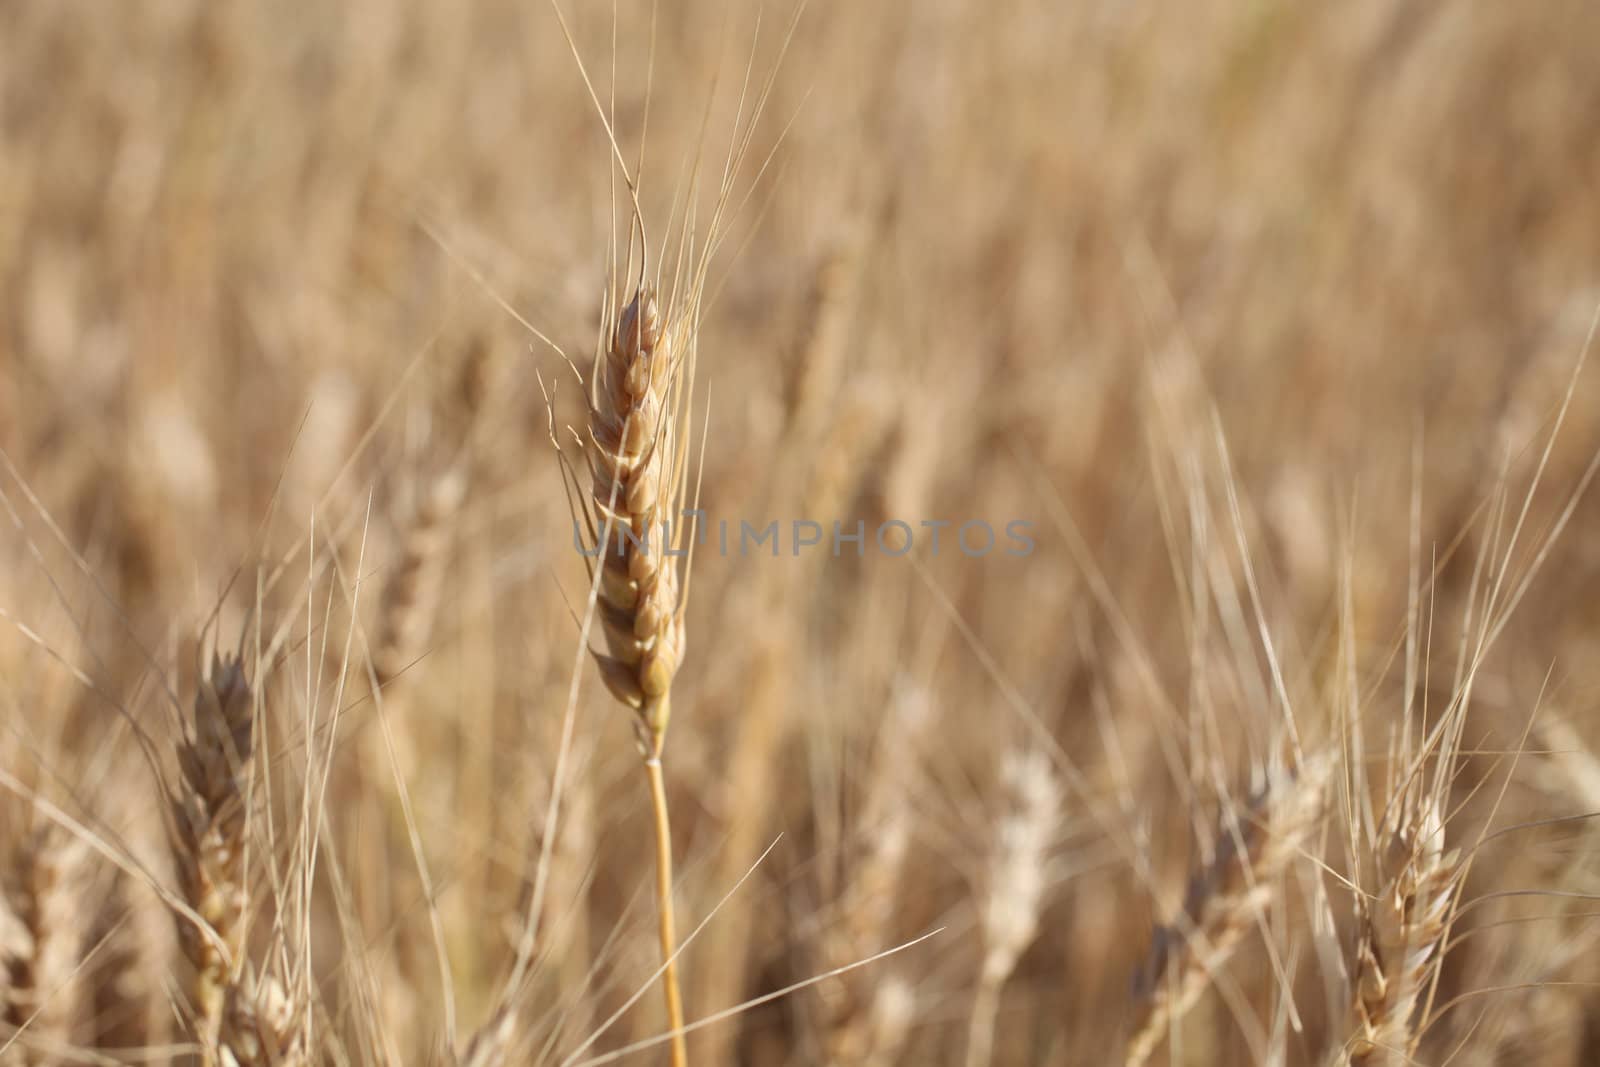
{"x": 1226, "y": 899}
{"x": 636, "y": 473}
{"x": 241, "y": 1020}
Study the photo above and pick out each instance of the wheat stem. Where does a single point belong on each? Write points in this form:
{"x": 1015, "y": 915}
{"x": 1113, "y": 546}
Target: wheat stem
{"x": 980, "y": 1028}
{"x": 664, "y": 910}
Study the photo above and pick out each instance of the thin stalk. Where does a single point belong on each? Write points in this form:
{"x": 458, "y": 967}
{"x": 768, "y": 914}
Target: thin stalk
{"x": 669, "y": 937}
{"x": 980, "y": 1029}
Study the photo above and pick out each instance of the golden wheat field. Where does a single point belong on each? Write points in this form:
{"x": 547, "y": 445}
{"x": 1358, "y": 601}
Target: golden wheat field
{"x": 852, "y": 534}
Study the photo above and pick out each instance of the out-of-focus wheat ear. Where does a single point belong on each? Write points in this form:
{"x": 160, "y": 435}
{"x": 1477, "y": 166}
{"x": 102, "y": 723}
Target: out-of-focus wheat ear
{"x": 875, "y": 1033}
{"x": 894, "y": 1012}
{"x": 411, "y": 594}
{"x": 853, "y": 1034}
{"x": 130, "y": 937}
{"x": 747, "y": 796}
{"x": 841, "y": 457}
{"x": 1547, "y": 1028}
{"x": 209, "y": 846}
{"x": 817, "y": 363}
{"x": 238, "y": 1018}
{"x": 63, "y": 873}
{"x": 41, "y": 938}
{"x": 16, "y": 949}
{"x": 1540, "y": 1017}
{"x": 566, "y": 903}
{"x": 1403, "y": 933}
{"x": 477, "y": 376}
{"x": 1577, "y": 776}
{"x": 1015, "y": 882}
{"x": 1226, "y": 899}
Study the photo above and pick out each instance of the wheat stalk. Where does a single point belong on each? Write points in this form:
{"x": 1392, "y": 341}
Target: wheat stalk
{"x": 1226, "y": 899}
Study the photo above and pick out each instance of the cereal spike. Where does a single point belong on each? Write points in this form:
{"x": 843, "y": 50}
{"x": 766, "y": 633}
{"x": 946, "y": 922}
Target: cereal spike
{"x": 634, "y": 475}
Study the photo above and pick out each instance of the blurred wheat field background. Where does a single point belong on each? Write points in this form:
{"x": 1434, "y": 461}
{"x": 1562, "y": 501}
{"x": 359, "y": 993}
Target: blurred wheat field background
{"x": 1268, "y": 319}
